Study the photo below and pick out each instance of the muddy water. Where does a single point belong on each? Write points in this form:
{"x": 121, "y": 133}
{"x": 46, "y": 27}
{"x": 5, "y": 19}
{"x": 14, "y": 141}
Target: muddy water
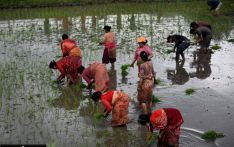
{"x": 34, "y": 110}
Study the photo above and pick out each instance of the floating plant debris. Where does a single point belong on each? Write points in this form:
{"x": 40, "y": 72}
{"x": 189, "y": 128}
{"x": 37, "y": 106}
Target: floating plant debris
{"x": 189, "y": 91}
{"x": 211, "y": 135}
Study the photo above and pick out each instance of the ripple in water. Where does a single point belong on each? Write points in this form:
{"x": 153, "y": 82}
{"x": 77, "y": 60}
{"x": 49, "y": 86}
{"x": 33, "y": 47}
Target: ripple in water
{"x": 192, "y": 138}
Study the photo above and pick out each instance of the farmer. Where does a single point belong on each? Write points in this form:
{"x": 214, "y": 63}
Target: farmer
{"x": 95, "y": 73}
{"x": 168, "y": 121}
{"x": 109, "y": 54}
{"x": 214, "y": 5}
{"x": 145, "y": 86}
{"x": 115, "y": 101}
{"x": 69, "y": 47}
{"x": 67, "y": 66}
{"x": 194, "y": 25}
{"x": 142, "y": 42}
{"x": 204, "y": 36}
{"x": 181, "y": 44}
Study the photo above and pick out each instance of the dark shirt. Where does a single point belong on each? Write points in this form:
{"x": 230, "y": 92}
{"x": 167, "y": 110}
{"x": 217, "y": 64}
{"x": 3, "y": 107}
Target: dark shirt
{"x": 178, "y": 39}
{"x": 203, "y": 31}
{"x": 213, "y": 4}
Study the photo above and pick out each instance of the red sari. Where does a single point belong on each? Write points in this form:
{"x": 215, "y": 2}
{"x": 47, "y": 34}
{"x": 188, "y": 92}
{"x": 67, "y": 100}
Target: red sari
{"x": 68, "y": 66}
{"x": 69, "y": 48}
{"x": 98, "y": 72}
{"x": 117, "y": 102}
{"x": 169, "y": 125}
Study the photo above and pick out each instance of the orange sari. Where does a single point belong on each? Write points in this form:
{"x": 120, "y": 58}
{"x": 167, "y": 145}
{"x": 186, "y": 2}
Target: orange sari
{"x": 120, "y": 109}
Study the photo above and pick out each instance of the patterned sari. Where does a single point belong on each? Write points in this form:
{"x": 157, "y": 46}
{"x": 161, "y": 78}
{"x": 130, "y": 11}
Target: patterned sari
{"x": 120, "y": 109}
{"x": 170, "y": 127}
{"x": 145, "y": 86}
{"x": 101, "y": 77}
{"x": 109, "y": 54}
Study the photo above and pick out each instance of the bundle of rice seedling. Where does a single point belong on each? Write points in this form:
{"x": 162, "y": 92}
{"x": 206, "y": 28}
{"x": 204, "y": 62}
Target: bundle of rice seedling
{"x": 152, "y": 139}
{"x": 98, "y": 116}
{"x": 189, "y": 91}
{"x": 211, "y": 135}
{"x": 216, "y": 47}
{"x": 155, "y": 99}
{"x": 124, "y": 69}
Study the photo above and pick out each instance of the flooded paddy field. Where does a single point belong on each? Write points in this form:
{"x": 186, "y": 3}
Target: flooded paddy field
{"x": 35, "y": 110}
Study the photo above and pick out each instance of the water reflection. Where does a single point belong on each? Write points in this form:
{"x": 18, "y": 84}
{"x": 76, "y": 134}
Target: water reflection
{"x": 113, "y": 78}
{"x": 178, "y": 76}
{"x": 201, "y": 62}
{"x": 69, "y": 99}
{"x": 119, "y": 138}
{"x": 35, "y": 40}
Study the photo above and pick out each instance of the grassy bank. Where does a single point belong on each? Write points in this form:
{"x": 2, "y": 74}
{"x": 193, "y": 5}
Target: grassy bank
{"x": 56, "y": 3}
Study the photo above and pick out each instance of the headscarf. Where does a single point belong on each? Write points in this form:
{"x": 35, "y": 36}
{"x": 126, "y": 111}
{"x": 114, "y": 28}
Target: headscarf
{"x": 158, "y": 119}
{"x": 141, "y": 40}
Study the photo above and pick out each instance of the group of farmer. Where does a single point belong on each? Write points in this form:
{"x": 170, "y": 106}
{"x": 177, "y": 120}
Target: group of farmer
{"x": 117, "y": 102}
{"x": 167, "y": 120}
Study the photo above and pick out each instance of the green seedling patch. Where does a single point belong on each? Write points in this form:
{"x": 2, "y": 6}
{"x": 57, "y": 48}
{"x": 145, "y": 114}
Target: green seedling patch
{"x": 211, "y": 135}
{"x": 189, "y": 91}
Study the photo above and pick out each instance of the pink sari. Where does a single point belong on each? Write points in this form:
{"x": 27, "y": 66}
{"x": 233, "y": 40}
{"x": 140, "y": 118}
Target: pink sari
{"x": 100, "y": 75}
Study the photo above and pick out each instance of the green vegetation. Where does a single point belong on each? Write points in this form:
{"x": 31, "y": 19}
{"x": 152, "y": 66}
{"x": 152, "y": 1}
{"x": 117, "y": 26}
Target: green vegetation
{"x": 168, "y": 51}
{"x": 189, "y": 91}
{"x": 124, "y": 69}
{"x": 159, "y": 82}
{"x": 211, "y": 135}
{"x": 231, "y": 40}
{"x": 216, "y": 47}
{"x": 152, "y": 139}
{"x": 98, "y": 116}
{"x": 82, "y": 86}
{"x": 155, "y": 99}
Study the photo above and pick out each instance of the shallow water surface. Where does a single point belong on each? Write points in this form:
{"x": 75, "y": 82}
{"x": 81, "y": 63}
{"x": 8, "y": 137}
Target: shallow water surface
{"x": 35, "y": 110}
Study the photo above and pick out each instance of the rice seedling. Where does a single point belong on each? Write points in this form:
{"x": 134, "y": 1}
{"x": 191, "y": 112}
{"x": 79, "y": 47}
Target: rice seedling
{"x": 211, "y": 135}
{"x": 124, "y": 69}
{"x": 98, "y": 116}
{"x": 82, "y": 86}
{"x": 231, "y": 40}
{"x": 57, "y": 57}
{"x": 189, "y": 91}
{"x": 216, "y": 47}
{"x": 159, "y": 82}
{"x": 53, "y": 144}
{"x": 152, "y": 139}
{"x": 155, "y": 99}
{"x": 168, "y": 51}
